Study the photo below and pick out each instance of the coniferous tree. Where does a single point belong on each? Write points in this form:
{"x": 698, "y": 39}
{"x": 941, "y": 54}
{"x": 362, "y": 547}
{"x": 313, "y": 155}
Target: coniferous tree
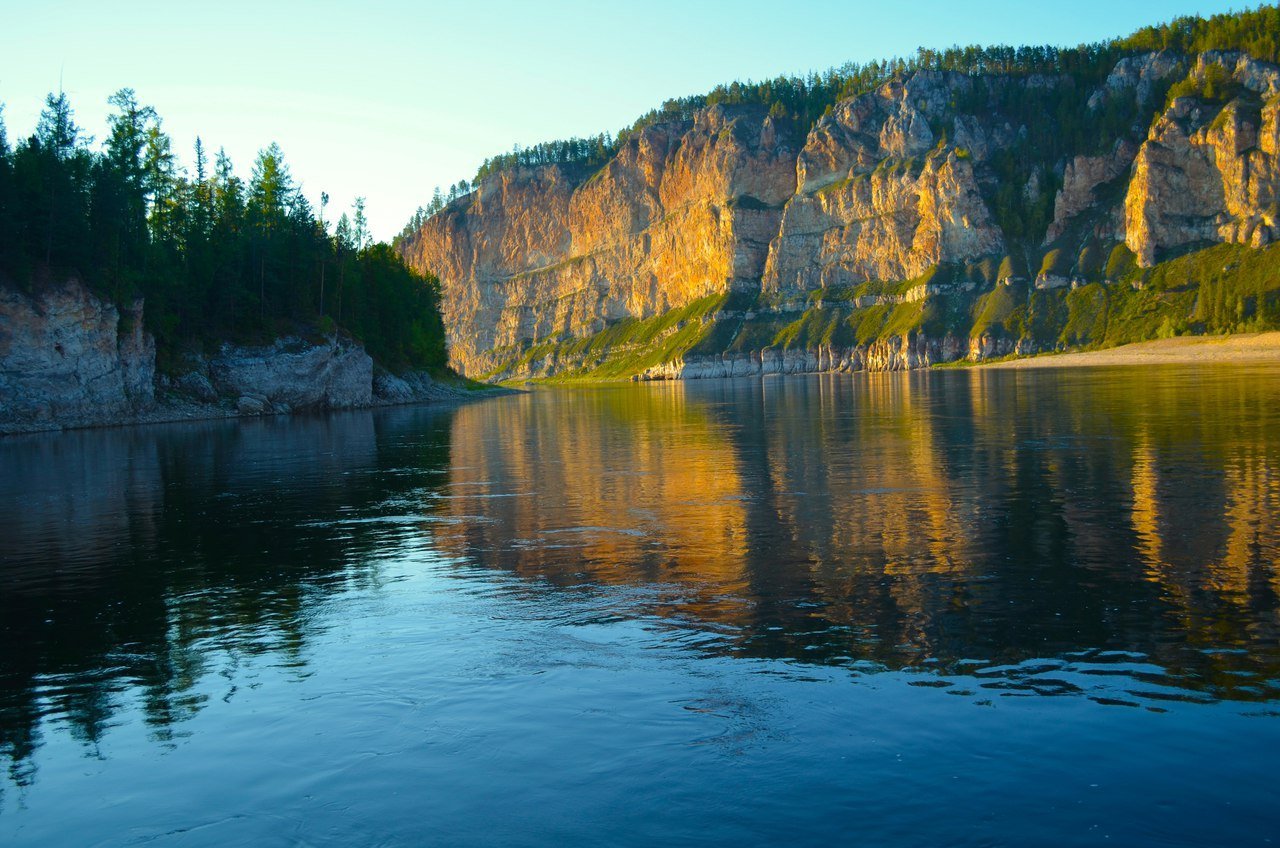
{"x": 213, "y": 257}
{"x": 359, "y": 224}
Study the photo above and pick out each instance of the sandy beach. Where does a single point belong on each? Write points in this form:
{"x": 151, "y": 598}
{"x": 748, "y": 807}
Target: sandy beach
{"x": 1243, "y": 348}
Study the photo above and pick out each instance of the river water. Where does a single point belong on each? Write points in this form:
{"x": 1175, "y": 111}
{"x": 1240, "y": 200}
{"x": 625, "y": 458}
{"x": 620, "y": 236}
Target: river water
{"x": 948, "y": 608}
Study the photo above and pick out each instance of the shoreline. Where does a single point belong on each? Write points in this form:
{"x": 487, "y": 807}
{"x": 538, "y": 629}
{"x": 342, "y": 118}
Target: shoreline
{"x": 181, "y": 412}
{"x": 1235, "y": 349}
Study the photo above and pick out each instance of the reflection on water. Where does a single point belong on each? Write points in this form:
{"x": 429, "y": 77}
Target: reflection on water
{"x": 1108, "y": 535}
{"x": 138, "y": 561}
{"x": 964, "y": 523}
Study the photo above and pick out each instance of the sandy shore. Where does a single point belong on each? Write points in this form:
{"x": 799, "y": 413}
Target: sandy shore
{"x": 1243, "y": 348}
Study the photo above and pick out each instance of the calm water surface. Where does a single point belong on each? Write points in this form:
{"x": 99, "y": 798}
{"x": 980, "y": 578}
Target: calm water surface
{"x": 958, "y": 608}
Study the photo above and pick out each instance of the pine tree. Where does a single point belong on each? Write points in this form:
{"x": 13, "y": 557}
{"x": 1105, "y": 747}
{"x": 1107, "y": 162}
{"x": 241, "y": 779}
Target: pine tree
{"x": 360, "y": 225}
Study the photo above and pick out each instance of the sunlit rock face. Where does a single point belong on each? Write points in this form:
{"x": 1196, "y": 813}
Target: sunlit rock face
{"x": 1083, "y": 180}
{"x": 885, "y": 187}
{"x": 684, "y": 210}
{"x": 879, "y": 197}
{"x": 1209, "y": 174}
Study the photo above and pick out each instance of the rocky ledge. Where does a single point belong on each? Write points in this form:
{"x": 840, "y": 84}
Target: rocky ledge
{"x": 69, "y": 358}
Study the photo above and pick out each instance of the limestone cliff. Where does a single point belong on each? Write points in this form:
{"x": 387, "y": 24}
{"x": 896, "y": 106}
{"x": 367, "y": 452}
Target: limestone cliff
{"x": 684, "y": 210}
{"x": 1208, "y": 173}
{"x": 694, "y": 248}
{"x": 879, "y": 197}
{"x": 69, "y": 358}
{"x": 66, "y": 354}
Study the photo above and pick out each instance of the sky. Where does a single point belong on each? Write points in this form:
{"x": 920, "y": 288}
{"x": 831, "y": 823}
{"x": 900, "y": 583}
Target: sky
{"x": 387, "y": 100}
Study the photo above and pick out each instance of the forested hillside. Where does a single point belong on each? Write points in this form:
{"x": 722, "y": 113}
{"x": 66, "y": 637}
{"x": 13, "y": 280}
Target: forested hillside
{"x": 215, "y": 256}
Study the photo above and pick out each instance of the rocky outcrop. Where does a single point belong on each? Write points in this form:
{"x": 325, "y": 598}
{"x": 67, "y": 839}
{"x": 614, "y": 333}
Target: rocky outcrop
{"x": 878, "y": 198}
{"x": 684, "y": 210}
{"x": 69, "y": 358}
{"x": 67, "y": 355}
{"x": 410, "y": 387}
{"x": 884, "y": 188}
{"x": 1082, "y": 181}
{"x": 1139, "y": 78}
{"x": 293, "y": 374}
{"x": 895, "y": 353}
{"x": 1208, "y": 173}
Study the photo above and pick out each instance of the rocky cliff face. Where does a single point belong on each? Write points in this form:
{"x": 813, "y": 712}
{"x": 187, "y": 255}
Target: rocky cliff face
{"x": 684, "y": 210}
{"x": 879, "y": 197}
{"x": 887, "y": 187}
{"x": 295, "y": 374}
{"x": 1208, "y": 173}
{"x": 68, "y": 358}
{"x": 67, "y": 355}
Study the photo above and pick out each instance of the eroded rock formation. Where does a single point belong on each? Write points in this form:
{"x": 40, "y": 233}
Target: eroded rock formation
{"x": 69, "y": 358}
{"x": 68, "y": 355}
{"x": 885, "y": 187}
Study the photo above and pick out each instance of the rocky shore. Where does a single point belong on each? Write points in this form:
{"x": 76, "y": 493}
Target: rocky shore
{"x": 69, "y": 358}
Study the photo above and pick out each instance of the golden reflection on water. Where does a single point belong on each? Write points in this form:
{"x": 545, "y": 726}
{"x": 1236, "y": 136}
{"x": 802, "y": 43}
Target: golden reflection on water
{"x": 903, "y": 503}
{"x": 574, "y": 483}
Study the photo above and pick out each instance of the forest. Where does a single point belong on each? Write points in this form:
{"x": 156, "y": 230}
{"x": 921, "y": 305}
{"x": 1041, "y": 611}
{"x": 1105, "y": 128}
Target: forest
{"x": 215, "y": 256}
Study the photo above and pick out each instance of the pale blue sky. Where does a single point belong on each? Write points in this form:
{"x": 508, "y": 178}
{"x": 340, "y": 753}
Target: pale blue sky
{"x": 391, "y": 99}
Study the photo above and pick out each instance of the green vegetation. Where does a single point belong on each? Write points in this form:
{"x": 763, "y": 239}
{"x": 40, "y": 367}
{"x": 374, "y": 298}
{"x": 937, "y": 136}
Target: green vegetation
{"x": 215, "y": 257}
{"x": 588, "y": 152}
{"x": 1216, "y": 86}
{"x": 1256, "y": 32}
{"x": 624, "y": 348}
{"x": 1121, "y": 263}
{"x": 1222, "y": 289}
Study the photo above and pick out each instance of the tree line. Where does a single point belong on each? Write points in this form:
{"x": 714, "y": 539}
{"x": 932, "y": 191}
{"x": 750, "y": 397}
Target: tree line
{"x": 805, "y": 99}
{"x": 216, "y": 257}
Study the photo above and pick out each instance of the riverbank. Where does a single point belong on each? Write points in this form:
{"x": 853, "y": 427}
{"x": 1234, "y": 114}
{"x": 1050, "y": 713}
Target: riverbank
{"x": 1245, "y": 348}
{"x": 177, "y": 410}
{"x": 70, "y": 359}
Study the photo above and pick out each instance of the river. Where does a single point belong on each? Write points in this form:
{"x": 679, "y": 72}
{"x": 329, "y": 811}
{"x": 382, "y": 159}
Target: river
{"x": 937, "y": 608}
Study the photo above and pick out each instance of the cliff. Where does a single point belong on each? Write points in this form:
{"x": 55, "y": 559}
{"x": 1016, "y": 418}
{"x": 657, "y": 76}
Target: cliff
{"x": 940, "y": 216}
{"x": 683, "y": 211}
{"x": 69, "y": 358}
{"x": 67, "y": 355}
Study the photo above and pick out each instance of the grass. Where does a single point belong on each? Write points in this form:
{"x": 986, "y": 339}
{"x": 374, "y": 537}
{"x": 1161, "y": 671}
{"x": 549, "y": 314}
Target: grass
{"x": 625, "y": 347}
